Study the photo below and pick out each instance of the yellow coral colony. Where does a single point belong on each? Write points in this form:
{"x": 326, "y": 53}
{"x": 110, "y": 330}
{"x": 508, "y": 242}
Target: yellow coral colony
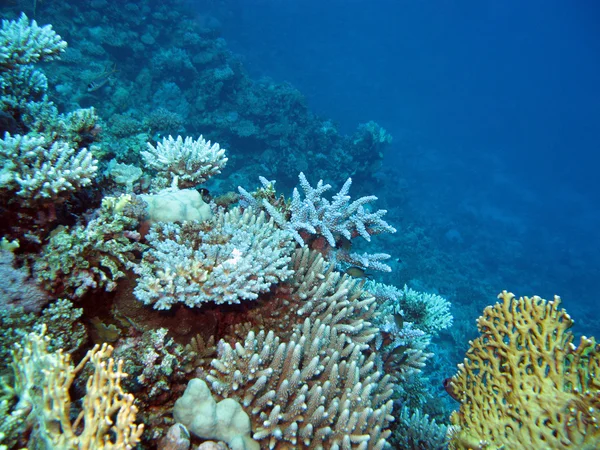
{"x": 42, "y": 382}
{"x": 524, "y": 385}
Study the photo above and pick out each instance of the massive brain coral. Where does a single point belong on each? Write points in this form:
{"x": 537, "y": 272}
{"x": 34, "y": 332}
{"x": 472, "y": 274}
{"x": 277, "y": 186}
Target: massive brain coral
{"x": 524, "y": 385}
{"x": 235, "y": 256}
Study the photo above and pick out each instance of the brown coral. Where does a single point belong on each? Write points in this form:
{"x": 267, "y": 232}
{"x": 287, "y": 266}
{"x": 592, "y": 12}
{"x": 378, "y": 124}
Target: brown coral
{"x": 523, "y": 381}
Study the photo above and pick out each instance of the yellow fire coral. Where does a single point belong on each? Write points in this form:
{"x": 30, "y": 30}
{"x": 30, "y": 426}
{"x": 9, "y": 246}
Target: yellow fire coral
{"x": 41, "y": 385}
{"x": 524, "y": 385}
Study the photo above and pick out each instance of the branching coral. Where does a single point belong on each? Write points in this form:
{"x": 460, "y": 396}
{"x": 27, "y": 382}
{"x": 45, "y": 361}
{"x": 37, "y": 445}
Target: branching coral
{"x": 523, "y": 381}
{"x": 22, "y": 42}
{"x": 83, "y": 258}
{"x": 428, "y": 312}
{"x": 41, "y": 384}
{"x": 184, "y": 162}
{"x": 419, "y": 432}
{"x": 333, "y": 220}
{"x": 233, "y": 257}
{"x": 336, "y": 299}
{"x": 317, "y": 390}
{"x": 35, "y": 170}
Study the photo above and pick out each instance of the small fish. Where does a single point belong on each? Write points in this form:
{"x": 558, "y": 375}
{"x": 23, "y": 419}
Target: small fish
{"x": 400, "y": 350}
{"x": 205, "y": 195}
{"x": 97, "y": 84}
{"x": 399, "y": 320}
{"x": 358, "y": 272}
{"x": 344, "y": 243}
{"x": 102, "y": 78}
{"x": 449, "y": 387}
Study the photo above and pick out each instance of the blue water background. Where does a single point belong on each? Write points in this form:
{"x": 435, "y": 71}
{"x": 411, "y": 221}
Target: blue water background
{"x": 494, "y": 111}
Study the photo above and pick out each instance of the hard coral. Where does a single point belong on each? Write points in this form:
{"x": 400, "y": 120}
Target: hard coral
{"x": 523, "y": 381}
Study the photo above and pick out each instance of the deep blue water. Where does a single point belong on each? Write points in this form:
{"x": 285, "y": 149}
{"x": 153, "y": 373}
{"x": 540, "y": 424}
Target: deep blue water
{"x": 494, "y": 111}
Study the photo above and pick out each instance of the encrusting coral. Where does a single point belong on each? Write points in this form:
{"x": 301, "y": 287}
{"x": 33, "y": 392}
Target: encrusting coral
{"x": 523, "y": 383}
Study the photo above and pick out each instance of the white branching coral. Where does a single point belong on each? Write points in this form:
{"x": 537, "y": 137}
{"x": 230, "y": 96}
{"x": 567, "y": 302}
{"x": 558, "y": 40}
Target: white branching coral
{"x": 429, "y": 312}
{"x": 38, "y": 171}
{"x": 185, "y": 162}
{"x": 335, "y": 219}
{"x": 22, "y": 43}
{"x": 22, "y": 46}
{"x": 317, "y": 390}
{"x": 235, "y": 256}
{"x": 324, "y": 294}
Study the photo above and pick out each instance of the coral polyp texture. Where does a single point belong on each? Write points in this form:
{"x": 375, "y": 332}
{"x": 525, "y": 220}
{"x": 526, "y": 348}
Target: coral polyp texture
{"x": 317, "y": 390}
{"x": 186, "y": 162}
{"x": 233, "y": 257}
{"x": 84, "y": 258}
{"x": 523, "y": 383}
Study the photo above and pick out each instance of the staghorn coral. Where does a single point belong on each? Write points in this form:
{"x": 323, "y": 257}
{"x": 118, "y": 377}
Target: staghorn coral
{"x": 184, "y": 163}
{"x": 233, "y": 257}
{"x": 523, "y": 381}
{"x": 317, "y": 390}
{"x": 82, "y": 258}
{"x": 41, "y": 386}
{"x": 319, "y": 217}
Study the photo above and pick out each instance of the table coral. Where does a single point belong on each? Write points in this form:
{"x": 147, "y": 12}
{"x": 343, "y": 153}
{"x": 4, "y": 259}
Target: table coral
{"x": 234, "y": 257}
{"x": 523, "y": 381}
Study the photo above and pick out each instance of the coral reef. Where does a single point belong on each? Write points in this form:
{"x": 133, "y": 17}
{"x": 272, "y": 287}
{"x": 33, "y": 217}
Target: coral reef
{"x": 41, "y": 388}
{"x": 79, "y": 259}
{"x": 310, "y": 356}
{"x": 184, "y": 163}
{"x": 234, "y": 257}
{"x": 317, "y": 389}
{"x": 523, "y": 380}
